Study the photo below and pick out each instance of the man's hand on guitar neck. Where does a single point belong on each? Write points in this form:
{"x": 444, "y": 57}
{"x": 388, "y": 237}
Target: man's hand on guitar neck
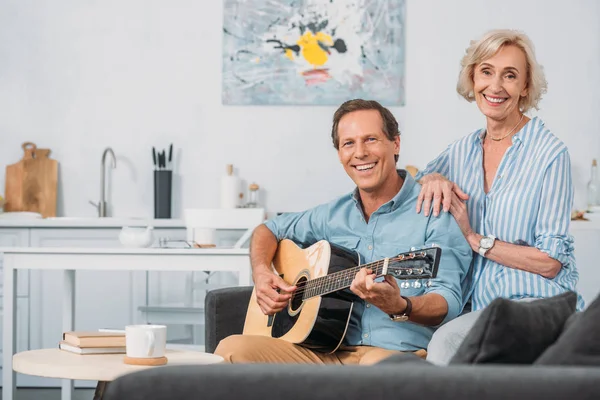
{"x": 384, "y": 295}
{"x": 272, "y": 292}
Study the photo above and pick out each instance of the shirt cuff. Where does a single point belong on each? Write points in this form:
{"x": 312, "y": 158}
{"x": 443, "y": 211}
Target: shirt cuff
{"x": 454, "y": 305}
{"x": 558, "y": 248}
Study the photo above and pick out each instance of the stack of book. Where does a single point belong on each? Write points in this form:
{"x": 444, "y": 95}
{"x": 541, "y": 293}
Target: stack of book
{"x": 93, "y": 342}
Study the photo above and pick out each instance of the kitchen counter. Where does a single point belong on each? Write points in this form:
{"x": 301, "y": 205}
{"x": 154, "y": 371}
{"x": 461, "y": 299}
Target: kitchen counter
{"x": 88, "y": 222}
{"x": 118, "y": 222}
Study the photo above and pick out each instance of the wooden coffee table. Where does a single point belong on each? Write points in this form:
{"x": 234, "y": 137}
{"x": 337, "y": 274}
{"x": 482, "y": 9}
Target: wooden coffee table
{"x": 55, "y": 363}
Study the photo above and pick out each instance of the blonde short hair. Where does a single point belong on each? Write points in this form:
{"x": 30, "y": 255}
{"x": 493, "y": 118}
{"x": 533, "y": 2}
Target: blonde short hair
{"x": 487, "y": 47}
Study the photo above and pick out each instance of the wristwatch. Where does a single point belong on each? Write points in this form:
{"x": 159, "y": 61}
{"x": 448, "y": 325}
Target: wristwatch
{"x": 404, "y": 316}
{"x": 485, "y": 244}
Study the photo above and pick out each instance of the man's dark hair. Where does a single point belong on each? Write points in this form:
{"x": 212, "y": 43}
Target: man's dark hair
{"x": 390, "y": 125}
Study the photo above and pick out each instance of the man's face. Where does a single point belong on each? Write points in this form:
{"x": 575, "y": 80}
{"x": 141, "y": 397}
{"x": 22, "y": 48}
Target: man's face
{"x": 365, "y": 152}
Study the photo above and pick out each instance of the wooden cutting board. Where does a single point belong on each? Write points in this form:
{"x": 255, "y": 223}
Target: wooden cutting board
{"x": 31, "y": 182}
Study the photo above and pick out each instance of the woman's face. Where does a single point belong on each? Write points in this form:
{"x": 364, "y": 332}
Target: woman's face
{"x": 499, "y": 82}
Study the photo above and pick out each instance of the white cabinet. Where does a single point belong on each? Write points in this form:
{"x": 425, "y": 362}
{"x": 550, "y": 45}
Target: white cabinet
{"x": 103, "y": 298}
{"x": 18, "y": 237}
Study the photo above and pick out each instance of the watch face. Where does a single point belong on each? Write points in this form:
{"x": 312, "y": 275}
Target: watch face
{"x": 486, "y": 242}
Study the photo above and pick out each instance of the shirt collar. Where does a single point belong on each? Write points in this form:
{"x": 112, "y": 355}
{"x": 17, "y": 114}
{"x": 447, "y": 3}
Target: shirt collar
{"x": 399, "y": 198}
{"x": 519, "y": 138}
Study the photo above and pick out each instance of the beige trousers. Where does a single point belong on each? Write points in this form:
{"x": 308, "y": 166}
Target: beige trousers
{"x": 262, "y": 349}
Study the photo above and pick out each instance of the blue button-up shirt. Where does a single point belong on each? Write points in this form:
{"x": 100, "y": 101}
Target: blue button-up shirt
{"x": 393, "y": 229}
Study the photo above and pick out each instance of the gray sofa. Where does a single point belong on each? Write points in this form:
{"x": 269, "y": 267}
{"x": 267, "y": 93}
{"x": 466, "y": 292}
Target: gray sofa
{"x": 404, "y": 377}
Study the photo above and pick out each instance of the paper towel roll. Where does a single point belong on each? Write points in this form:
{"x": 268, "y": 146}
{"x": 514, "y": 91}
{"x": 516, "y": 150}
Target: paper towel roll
{"x": 230, "y": 189}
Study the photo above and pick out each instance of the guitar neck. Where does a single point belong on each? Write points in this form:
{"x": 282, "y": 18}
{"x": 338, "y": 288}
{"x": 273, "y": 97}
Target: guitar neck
{"x": 339, "y": 280}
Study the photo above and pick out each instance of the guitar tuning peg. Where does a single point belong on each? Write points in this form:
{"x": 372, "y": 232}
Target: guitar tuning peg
{"x": 428, "y": 283}
{"x": 416, "y": 284}
{"x": 404, "y": 285}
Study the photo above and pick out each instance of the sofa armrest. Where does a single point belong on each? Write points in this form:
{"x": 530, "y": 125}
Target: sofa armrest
{"x": 225, "y": 314}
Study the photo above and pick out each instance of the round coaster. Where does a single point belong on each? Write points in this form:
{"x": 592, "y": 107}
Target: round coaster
{"x": 145, "y": 361}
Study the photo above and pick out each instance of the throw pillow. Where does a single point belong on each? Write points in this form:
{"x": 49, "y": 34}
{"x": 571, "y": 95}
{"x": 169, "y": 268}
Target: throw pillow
{"x": 579, "y": 344}
{"x": 515, "y": 332}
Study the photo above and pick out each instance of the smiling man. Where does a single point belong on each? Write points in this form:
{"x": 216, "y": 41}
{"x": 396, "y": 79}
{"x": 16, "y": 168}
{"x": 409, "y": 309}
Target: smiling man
{"x": 377, "y": 220}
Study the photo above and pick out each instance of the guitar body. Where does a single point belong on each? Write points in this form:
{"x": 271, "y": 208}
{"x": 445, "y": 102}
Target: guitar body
{"x": 320, "y": 322}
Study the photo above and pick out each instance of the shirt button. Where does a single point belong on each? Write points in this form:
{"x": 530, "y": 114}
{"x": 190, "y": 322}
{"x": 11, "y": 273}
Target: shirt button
{"x": 370, "y": 247}
{"x": 366, "y": 335}
{"x": 368, "y": 305}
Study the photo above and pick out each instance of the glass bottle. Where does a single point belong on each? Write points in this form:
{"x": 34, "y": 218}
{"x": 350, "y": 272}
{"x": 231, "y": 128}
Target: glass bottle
{"x": 593, "y": 187}
{"x": 252, "y": 196}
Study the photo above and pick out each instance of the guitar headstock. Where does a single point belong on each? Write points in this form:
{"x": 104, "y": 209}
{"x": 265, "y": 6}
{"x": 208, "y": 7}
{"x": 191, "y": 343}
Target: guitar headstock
{"x": 418, "y": 264}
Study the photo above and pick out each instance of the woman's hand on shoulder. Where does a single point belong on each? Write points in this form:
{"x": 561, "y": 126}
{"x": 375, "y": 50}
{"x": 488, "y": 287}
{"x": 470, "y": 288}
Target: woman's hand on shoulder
{"x": 437, "y": 190}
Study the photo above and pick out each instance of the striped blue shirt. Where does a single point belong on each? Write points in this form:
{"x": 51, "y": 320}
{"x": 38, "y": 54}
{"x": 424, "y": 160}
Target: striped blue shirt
{"x": 529, "y": 203}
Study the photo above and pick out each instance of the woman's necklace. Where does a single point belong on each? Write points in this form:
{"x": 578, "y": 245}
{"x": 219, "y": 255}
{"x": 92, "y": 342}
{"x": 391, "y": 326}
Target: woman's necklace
{"x": 508, "y": 134}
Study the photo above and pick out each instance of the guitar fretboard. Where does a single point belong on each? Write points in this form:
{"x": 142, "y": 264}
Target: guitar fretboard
{"x": 338, "y": 280}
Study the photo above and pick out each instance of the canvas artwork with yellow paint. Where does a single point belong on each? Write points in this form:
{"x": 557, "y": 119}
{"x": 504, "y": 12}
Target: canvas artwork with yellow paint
{"x": 313, "y": 52}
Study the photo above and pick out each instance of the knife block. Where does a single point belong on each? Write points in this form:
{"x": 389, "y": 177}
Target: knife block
{"x": 163, "y": 183}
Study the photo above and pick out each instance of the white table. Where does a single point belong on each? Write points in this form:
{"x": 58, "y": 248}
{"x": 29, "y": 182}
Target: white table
{"x": 70, "y": 260}
{"x": 55, "y": 363}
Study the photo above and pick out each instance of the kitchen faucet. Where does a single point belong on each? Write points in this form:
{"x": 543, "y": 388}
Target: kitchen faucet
{"x": 101, "y": 206}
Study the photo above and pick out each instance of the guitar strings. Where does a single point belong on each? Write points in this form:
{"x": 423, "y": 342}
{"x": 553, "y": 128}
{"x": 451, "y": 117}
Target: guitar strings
{"x": 336, "y": 278}
{"x": 346, "y": 276}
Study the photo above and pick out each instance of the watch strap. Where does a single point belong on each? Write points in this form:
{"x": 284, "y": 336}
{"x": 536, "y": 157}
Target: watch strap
{"x": 406, "y": 314}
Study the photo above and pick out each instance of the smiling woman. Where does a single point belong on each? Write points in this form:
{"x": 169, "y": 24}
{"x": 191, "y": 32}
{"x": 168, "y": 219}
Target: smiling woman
{"x": 508, "y": 186}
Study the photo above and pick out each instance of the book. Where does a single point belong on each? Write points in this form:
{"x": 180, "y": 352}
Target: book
{"x": 94, "y": 339}
{"x": 90, "y": 350}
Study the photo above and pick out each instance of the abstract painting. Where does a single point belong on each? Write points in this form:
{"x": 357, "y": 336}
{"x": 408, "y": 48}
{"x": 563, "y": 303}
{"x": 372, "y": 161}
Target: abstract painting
{"x": 313, "y": 52}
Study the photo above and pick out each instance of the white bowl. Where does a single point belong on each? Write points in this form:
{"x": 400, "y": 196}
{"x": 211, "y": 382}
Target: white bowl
{"x": 136, "y": 236}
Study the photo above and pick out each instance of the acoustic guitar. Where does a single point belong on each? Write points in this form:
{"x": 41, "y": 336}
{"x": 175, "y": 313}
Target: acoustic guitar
{"x": 318, "y": 313}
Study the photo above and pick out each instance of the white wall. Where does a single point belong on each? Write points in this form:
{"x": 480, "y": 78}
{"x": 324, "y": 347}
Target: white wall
{"x": 77, "y": 76}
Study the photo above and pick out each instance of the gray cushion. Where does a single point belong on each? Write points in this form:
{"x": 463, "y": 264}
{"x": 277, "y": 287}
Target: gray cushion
{"x": 579, "y": 344}
{"x": 515, "y": 332}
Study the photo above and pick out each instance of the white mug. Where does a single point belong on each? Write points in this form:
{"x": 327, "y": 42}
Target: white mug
{"x": 204, "y": 236}
{"x": 145, "y": 341}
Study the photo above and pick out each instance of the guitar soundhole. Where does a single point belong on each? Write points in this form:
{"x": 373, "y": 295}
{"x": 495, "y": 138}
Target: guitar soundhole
{"x": 296, "y": 300}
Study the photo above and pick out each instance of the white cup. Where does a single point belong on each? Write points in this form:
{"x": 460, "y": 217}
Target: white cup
{"x": 145, "y": 341}
{"x": 204, "y": 236}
